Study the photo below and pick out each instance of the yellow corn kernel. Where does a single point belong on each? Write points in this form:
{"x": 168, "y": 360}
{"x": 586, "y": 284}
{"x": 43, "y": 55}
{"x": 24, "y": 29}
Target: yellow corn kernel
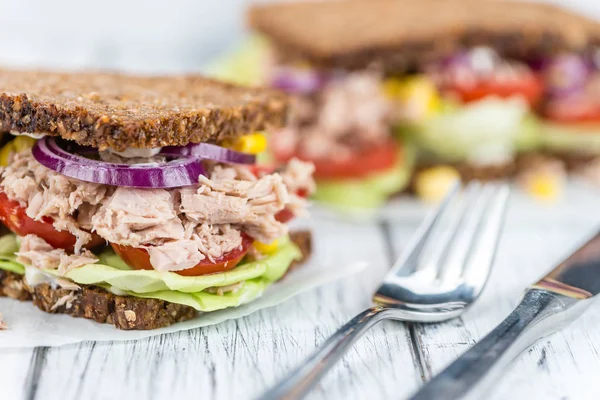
{"x": 417, "y": 92}
{"x": 392, "y": 87}
{"x": 432, "y": 184}
{"x": 254, "y": 143}
{"x": 22, "y": 142}
{"x": 266, "y": 248}
{"x": 544, "y": 186}
{"x": 5, "y": 153}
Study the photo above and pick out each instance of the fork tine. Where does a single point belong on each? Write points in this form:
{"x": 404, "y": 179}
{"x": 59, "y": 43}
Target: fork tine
{"x": 411, "y": 254}
{"x": 483, "y": 249}
{"x": 443, "y": 234}
{"x": 454, "y": 249}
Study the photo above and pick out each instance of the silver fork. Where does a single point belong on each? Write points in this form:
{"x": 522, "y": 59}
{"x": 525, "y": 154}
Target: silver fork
{"x": 442, "y": 271}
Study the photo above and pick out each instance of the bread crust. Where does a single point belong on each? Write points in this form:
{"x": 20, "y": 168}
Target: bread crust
{"x": 109, "y": 110}
{"x": 12, "y": 285}
{"x": 401, "y": 35}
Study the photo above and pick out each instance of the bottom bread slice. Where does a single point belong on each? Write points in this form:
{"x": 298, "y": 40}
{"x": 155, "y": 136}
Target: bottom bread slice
{"x": 124, "y": 312}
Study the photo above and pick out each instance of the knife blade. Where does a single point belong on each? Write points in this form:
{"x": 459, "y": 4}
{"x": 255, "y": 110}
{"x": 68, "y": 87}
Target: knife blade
{"x": 579, "y": 275}
{"x": 547, "y": 306}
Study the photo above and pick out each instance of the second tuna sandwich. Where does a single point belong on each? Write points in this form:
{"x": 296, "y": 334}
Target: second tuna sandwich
{"x": 471, "y": 84}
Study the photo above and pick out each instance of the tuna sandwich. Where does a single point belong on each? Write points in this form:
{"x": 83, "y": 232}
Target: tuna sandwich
{"x": 137, "y": 201}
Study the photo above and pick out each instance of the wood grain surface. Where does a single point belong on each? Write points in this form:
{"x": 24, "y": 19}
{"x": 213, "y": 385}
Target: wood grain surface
{"x": 239, "y": 359}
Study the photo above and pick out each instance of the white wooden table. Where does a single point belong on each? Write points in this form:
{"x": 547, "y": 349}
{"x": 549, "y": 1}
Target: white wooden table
{"x": 239, "y": 359}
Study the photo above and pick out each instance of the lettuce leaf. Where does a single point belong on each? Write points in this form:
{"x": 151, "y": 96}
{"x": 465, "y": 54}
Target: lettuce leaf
{"x": 484, "y": 130}
{"x": 369, "y": 192}
{"x": 9, "y": 244}
{"x": 12, "y": 266}
{"x": 529, "y": 137}
{"x": 113, "y": 273}
{"x": 245, "y": 65}
{"x": 571, "y": 137}
{"x": 206, "y": 302}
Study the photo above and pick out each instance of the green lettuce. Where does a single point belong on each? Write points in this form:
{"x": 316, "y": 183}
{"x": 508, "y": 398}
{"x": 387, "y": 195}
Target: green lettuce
{"x": 206, "y": 302}
{"x": 245, "y": 65}
{"x": 487, "y": 129}
{"x": 369, "y": 192}
{"x": 113, "y": 274}
{"x": 12, "y": 266}
{"x": 9, "y": 244}
{"x": 571, "y": 137}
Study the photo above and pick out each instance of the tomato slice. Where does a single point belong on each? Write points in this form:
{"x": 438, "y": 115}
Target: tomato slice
{"x": 580, "y": 110}
{"x": 528, "y": 86}
{"x": 138, "y": 258}
{"x": 285, "y": 215}
{"x": 13, "y": 215}
{"x": 363, "y": 163}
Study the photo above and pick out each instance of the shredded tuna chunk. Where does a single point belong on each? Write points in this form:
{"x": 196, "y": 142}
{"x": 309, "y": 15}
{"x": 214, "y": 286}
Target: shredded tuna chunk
{"x": 205, "y": 241}
{"x": 46, "y": 193}
{"x": 175, "y": 256}
{"x": 350, "y": 113}
{"x": 216, "y": 240}
{"x": 67, "y": 301}
{"x": 133, "y": 217}
{"x": 36, "y": 252}
{"x": 298, "y": 175}
{"x": 249, "y": 204}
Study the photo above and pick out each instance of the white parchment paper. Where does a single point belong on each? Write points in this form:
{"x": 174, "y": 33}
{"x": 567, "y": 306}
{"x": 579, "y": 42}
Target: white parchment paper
{"x": 30, "y": 327}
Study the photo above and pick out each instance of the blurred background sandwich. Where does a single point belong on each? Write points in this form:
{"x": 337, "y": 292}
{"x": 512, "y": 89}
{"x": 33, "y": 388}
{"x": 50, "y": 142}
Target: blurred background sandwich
{"x": 386, "y": 89}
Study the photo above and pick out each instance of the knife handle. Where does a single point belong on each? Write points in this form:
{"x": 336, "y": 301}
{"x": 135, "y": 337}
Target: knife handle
{"x": 540, "y": 313}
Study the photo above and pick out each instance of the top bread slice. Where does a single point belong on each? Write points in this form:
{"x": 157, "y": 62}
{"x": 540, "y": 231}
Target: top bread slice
{"x": 401, "y": 34}
{"x": 110, "y": 110}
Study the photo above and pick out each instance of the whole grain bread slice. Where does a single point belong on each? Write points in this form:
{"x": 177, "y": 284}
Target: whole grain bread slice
{"x": 103, "y": 109}
{"x": 124, "y": 312}
{"x": 402, "y": 34}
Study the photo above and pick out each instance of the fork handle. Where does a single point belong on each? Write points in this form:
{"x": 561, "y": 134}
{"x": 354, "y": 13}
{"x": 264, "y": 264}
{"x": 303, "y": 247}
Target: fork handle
{"x": 540, "y": 313}
{"x": 297, "y": 383}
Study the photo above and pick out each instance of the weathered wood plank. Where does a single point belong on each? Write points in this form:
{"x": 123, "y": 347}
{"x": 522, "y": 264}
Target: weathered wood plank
{"x": 14, "y": 373}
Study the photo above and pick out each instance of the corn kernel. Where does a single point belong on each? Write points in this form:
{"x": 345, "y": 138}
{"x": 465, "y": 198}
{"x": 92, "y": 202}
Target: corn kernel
{"x": 416, "y": 92}
{"x": 5, "y": 153}
{"x": 432, "y": 184}
{"x": 392, "y": 87}
{"x": 544, "y": 186}
{"x": 21, "y": 143}
{"x": 266, "y": 248}
{"x": 544, "y": 178}
{"x": 254, "y": 143}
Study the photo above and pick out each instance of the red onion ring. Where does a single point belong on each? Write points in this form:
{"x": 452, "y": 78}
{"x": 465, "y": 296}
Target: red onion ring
{"x": 566, "y": 74}
{"x": 180, "y": 172}
{"x": 297, "y": 80}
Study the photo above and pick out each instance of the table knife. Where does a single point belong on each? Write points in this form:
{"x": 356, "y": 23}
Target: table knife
{"x": 547, "y": 306}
